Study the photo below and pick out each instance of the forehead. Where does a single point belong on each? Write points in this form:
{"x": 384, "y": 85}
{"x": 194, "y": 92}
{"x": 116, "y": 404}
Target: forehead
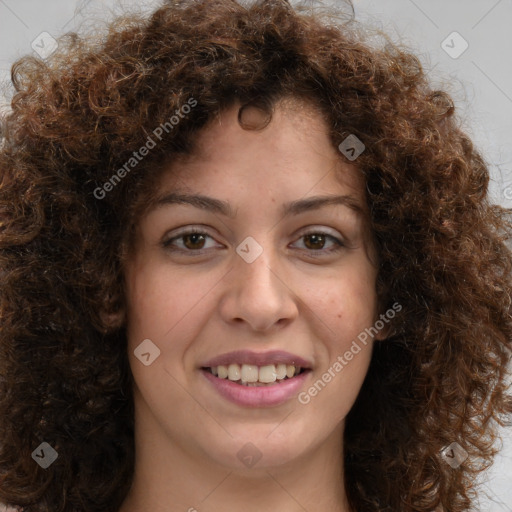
{"x": 291, "y": 156}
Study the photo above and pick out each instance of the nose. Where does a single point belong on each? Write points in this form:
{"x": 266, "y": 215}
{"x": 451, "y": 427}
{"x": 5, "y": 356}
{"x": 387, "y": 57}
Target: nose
{"x": 258, "y": 295}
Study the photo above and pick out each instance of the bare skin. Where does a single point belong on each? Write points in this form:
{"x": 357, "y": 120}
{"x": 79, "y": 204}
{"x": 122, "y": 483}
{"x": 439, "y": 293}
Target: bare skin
{"x": 309, "y": 296}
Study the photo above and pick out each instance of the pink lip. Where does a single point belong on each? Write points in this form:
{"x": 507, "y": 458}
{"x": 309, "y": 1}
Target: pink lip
{"x": 257, "y": 358}
{"x": 257, "y": 396}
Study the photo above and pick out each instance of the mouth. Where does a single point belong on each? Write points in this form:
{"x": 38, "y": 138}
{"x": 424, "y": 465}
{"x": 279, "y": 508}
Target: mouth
{"x": 252, "y": 375}
{"x": 256, "y": 379}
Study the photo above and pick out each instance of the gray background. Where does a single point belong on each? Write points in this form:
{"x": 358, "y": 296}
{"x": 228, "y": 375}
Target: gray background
{"x": 479, "y": 80}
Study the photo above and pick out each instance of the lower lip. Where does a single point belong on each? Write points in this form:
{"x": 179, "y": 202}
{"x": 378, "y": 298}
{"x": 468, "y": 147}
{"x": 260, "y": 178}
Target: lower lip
{"x": 257, "y": 396}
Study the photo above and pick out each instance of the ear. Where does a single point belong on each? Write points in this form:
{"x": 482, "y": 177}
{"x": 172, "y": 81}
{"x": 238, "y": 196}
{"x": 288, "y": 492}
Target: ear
{"x": 385, "y": 322}
{"x": 383, "y": 333}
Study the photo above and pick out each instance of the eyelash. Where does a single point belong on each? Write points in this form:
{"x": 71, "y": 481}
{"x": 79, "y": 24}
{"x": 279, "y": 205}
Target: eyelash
{"x": 339, "y": 245}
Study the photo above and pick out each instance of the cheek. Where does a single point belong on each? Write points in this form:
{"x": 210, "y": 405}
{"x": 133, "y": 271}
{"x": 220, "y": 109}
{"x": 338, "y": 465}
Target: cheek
{"x": 167, "y": 308}
{"x": 147, "y": 316}
{"x": 159, "y": 305}
{"x": 155, "y": 301}
{"x": 358, "y": 302}
{"x": 346, "y": 303}
{"x": 349, "y": 309}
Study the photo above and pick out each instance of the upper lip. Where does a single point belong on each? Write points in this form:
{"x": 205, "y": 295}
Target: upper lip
{"x": 257, "y": 358}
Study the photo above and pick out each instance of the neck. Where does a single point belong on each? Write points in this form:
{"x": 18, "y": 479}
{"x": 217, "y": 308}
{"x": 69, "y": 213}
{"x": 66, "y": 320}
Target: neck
{"x": 171, "y": 477}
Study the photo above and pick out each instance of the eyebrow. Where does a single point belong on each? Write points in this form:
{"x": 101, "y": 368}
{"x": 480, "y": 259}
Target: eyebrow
{"x": 292, "y": 208}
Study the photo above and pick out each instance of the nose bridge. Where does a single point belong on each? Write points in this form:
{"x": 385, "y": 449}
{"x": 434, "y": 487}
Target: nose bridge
{"x": 257, "y": 295}
{"x": 256, "y": 278}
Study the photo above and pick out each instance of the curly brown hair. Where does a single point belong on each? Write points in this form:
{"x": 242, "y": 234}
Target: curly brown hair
{"x": 440, "y": 376}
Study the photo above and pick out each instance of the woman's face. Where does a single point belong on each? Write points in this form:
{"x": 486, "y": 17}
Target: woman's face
{"x": 277, "y": 275}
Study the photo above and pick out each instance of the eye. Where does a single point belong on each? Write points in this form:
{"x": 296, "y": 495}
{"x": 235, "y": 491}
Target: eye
{"x": 316, "y": 242}
{"x": 193, "y": 240}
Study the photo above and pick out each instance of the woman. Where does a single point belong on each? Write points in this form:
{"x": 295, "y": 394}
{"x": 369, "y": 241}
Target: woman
{"x": 249, "y": 261}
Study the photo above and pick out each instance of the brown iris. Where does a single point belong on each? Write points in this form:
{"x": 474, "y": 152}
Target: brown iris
{"x": 317, "y": 240}
{"x": 194, "y": 241}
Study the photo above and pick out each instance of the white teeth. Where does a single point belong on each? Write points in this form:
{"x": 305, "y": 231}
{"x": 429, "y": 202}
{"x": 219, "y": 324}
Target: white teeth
{"x": 280, "y": 371}
{"x": 234, "y": 372}
{"x": 253, "y": 375}
{"x": 249, "y": 373}
{"x": 268, "y": 373}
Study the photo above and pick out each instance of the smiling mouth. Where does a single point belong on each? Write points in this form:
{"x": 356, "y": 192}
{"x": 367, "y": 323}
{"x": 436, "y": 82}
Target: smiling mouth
{"x": 253, "y": 375}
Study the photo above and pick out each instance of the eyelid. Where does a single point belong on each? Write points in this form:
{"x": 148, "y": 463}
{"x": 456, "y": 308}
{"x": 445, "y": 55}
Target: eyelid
{"x": 319, "y": 229}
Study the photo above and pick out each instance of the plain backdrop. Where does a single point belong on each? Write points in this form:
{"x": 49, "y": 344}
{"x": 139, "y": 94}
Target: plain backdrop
{"x": 465, "y": 45}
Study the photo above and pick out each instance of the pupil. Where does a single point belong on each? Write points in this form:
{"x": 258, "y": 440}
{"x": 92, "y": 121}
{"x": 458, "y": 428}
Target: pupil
{"x": 194, "y": 238}
{"x": 317, "y": 241}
